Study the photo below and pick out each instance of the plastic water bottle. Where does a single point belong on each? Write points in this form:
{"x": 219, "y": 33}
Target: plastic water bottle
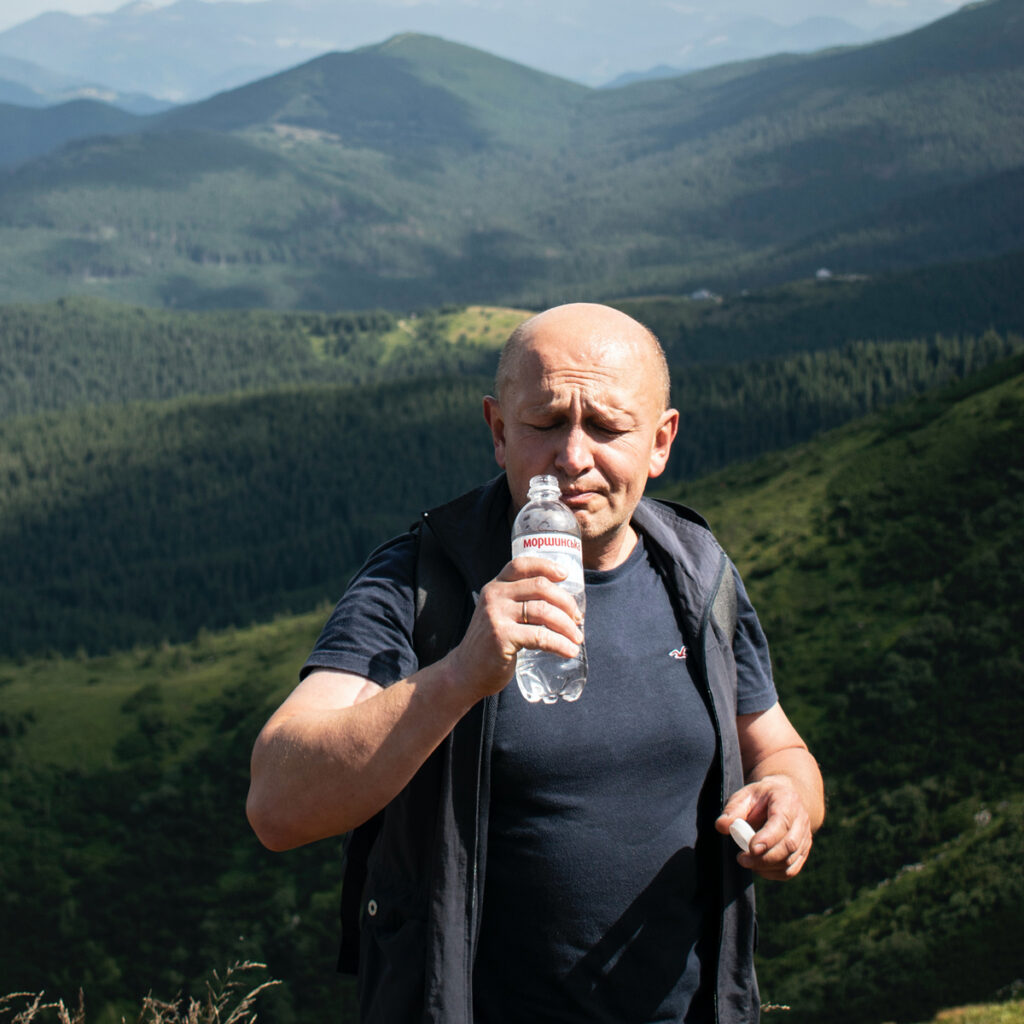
{"x": 546, "y": 528}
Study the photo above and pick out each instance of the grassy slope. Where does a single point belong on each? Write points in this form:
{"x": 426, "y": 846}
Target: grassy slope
{"x": 60, "y": 693}
{"x": 128, "y": 866}
{"x": 940, "y": 931}
{"x": 1011, "y": 1012}
{"x": 776, "y": 516}
{"x": 884, "y": 558}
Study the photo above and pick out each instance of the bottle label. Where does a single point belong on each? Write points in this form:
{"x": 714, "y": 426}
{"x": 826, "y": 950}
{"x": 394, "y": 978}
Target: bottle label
{"x": 562, "y": 548}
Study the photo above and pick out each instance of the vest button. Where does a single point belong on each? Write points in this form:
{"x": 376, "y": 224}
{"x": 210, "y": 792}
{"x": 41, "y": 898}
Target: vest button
{"x": 371, "y": 908}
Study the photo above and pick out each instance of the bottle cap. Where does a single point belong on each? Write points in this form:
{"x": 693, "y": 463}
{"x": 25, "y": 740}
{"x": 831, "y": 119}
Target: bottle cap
{"x": 741, "y": 833}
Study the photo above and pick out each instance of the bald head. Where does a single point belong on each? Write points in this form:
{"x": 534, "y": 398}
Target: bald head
{"x": 582, "y": 395}
{"x": 593, "y": 326}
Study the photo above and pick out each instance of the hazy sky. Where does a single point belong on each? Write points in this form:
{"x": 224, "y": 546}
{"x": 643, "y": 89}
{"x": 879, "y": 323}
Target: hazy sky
{"x": 860, "y": 12}
{"x": 13, "y": 12}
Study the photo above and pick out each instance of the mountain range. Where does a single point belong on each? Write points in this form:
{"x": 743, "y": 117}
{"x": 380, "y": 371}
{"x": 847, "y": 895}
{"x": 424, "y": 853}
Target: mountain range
{"x": 417, "y": 171}
{"x": 187, "y": 50}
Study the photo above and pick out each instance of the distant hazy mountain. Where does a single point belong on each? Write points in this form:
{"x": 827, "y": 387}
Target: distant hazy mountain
{"x": 27, "y": 132}
{"x": 190, "y": 49}
{"x": 418, "y": 171}
{"x": 15, "y": 92}
{"x": 753, "y": 38}
{"x": 32, "y": 85}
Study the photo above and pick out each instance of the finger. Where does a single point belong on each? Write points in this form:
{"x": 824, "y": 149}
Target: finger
{"x": 543, "y": 639}
{"x": 540, "y": 625}
{"x": 783, "y": 859}
{"x": 778, "y": 852}
{"x": 788, "y": 868}
{"x": 740, "y": 805}
{"x": 775, "y": 834}
{"x": 546, "y": 601}
{"x": 515, "y": 608}
{"x": 534, "y": 592}
{"x": 773, "y": 809}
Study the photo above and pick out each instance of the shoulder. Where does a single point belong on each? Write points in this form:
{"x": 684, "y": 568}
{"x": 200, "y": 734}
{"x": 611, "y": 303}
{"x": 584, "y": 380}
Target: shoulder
{"x": 672, "y": 512}
{"x": 683, "y": 536}
{"x": 369, "y": 633}
{"x": 393, "y": 560}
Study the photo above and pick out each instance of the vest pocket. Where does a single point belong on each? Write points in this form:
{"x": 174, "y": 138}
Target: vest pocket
{"x": 391, "y": 960}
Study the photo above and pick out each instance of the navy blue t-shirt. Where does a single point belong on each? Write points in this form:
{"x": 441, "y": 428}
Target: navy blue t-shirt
{"x": 593, "y": 903}
{"x": 594, "y": 896}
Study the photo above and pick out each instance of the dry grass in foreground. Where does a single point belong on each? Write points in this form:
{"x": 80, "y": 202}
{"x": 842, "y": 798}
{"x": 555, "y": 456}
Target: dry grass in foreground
{"x": 993, "y": 1013}
{"x": 229, "y": 1000}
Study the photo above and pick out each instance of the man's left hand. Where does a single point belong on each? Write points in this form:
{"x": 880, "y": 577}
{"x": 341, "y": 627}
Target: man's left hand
{"x": 782, "y": 838}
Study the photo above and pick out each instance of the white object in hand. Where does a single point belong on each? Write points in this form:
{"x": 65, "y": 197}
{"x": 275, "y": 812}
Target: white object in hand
{"x": 741, "y": 833}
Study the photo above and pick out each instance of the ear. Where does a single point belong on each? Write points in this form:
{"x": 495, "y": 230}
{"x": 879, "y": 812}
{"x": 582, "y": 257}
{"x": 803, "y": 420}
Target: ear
{"x": 492, "y": 414}
{"x": 664, "y": 435}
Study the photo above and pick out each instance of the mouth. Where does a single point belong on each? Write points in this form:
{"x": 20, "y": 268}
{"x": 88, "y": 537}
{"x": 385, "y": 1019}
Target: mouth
{"x": 578, "y": 498}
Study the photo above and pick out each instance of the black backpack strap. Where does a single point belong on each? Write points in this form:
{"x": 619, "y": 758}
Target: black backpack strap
{"x": 440, "y": 595}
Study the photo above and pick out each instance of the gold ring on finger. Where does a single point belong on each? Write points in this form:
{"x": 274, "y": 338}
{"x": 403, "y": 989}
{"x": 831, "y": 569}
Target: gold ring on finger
{"x": 526, "y": 617}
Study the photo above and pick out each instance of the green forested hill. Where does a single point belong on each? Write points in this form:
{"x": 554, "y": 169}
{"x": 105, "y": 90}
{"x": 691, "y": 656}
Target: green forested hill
{"x": 811, "y": 315}
{"x": 170, "y": 478}
{"x": 28, "y": 132}
{"x": 886, "y": 562}
{"x": 984, "y": 215}
{"x": 127, "y": 865}
{"x": 81, "y": 352}
{"x": 128, "y": 523}
{"x": 150, "y": 521}
{"x": 417, "y": 172}
{"x": 78, "y": 352}
{"x": 412, "y": 97}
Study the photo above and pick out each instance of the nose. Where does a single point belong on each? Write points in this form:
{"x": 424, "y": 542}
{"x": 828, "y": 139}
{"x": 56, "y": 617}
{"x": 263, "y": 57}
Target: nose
{"x": 574, "y": 456}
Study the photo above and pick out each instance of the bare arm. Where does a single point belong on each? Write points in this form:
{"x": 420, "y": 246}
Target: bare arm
{"x": 313, "y": 765}
{"x": 783, "y": 798}
{"x": 341, "y": 747}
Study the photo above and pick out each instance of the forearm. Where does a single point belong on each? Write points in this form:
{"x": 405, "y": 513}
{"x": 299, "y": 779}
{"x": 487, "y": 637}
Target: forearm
{"x": 318, "y": 773}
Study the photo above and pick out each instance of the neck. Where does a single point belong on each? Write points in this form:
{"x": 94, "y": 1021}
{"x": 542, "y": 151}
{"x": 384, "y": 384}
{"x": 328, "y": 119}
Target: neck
{"x": 604, "y": 553}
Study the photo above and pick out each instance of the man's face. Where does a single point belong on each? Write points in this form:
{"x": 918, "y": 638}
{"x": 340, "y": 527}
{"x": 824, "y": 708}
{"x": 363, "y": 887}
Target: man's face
{"x": 585, "y": 404}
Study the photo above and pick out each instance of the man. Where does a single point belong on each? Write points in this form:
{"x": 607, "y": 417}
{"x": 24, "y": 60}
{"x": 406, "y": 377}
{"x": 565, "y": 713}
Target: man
{"x": 565, "y": 862}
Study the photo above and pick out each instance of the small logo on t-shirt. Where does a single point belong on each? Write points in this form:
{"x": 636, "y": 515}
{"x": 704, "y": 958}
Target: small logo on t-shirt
{"x": 679, "y": 654}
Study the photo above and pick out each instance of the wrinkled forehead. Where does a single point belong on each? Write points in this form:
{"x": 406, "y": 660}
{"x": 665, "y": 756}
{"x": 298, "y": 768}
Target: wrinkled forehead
{"x": 585, "y": 343}
{"x": 607, "y": 372}
{"x": 588, "y": 371}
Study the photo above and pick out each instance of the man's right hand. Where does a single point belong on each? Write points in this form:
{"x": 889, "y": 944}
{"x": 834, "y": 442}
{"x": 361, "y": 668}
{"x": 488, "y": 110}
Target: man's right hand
{"x": 523, "y": 607}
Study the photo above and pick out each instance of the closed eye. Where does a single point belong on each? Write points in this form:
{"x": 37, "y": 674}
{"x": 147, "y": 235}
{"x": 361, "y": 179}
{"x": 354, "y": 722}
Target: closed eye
{"x": 595, "y": 427}
{"x": 607, "y": 429}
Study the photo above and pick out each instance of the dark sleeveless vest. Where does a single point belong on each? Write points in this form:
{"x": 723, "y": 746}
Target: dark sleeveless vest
{"x": 418, "y": 908}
